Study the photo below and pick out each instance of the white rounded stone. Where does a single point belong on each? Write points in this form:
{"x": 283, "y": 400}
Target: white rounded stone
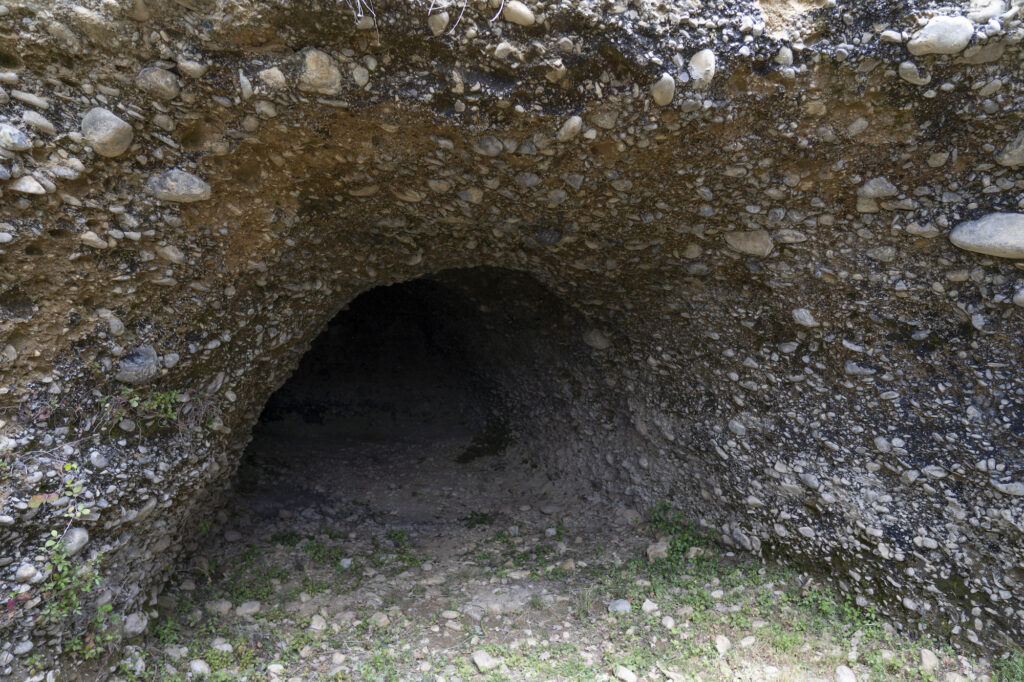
{"x": 106, "y": 133}
{"x": 570, "y": 129}
{"x": 518, "y": 13}
{"x": 178, "y": 186}
{"x": 13, "y": 139}
{"x": 438, "y": 22}
{"x": 1018, "y": 296}
{"x": 702, "y": 68}
{"x": 942, "y": 35}
{"x": 844, "y": 674}
{"x": 909, "y": 72}
{"x": 997, "y": 234}
{"x": 664, "y": 90}
{"x": 75, "y": 539}
{"x": 26, "y": 184}
{"x": 199, "y": 667}
{"x": 159, "y": 83}
{"x": 804, "y": 317}
{"x": 135, "y": 624}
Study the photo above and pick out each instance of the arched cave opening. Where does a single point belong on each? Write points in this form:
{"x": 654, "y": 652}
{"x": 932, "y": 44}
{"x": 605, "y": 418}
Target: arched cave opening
{"x": 450, "y": 457}
{"x": 452, "y": 391}
{"x": 462, "y": 399}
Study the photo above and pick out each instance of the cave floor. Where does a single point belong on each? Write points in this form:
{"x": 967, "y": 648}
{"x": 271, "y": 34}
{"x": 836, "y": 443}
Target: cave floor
{"x": 351, "y": 553}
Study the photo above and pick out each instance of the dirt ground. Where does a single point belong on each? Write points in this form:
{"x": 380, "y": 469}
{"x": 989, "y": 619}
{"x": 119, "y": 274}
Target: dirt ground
{"x": 389, "y": 546}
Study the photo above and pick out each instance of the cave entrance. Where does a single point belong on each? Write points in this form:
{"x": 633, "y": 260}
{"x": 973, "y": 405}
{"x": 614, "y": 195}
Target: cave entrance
{"x": 452, "y": 465}
{"x": 444, "y": 464}
{"x": 457, "y": 398}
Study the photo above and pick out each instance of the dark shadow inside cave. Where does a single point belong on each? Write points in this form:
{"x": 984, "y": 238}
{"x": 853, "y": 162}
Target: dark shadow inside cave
{"x": 426, "y": 401}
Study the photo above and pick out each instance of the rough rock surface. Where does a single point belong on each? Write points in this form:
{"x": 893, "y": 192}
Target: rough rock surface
{"x": 327, "y": 155}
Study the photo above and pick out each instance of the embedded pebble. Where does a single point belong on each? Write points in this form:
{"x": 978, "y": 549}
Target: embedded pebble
{"x": 804, "y": 317}
{"x": 13, "y": 139}
{"x": 596, "y": 339}
{"x": 618, "y": 606}
{"x": 942, "y": 35}
{"x": 722, "y": 644}
{"x": 844, "y": 674}
{"x": 26, "y": 573}
{"x": 484, "y": 662}
{"x": 518, "y": 13}
{"x": 75, "y": 540}
{"x": 178, "y": 186}
{"x": 750, "y": 242}
{"x": 93, "y": 240}
{"x": 158, "y": 82}
{"x": 1013, "y": 154}
{"x": 320, "y": 74}
{"x": 438, "y": 22}
{"x": 199, "y": 667}
{"x": 570, "y": 129}
{"x": 663, "y": 90}
{"x": 31, "y": 99}
{"x": 702, "y": 68}
{"x": 38, "y": 122}
{"x": 135, "y": 624}
{"x": 106, "y": 133}
{"x": 27, "y": 184}
{"x": 996, "y": 234}
{"x": 138, "y": 366}
{"x": 657, "y": 551}
{"x": 624, "y": 674}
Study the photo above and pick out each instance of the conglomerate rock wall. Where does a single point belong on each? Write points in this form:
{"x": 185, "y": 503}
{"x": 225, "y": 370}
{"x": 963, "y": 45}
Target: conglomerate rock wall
{"x": 793, "y": 227}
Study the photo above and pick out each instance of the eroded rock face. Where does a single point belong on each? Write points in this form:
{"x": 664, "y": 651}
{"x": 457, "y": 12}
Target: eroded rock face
{"x": 808, "y": 364}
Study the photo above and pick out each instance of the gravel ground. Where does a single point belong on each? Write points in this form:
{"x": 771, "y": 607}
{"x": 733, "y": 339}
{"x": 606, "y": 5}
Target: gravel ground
{"x": 423, "y": 552}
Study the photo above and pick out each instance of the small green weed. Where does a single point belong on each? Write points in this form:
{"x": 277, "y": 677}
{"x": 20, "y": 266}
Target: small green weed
{"x": 1010, "y": 669}
{"x": 100, "y": 636}
{"x": 287, "y": 538}
{"x": 69, "y": 581}
{"x": 476, "y": 519}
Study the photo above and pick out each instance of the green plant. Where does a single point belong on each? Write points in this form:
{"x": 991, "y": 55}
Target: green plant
{"x": 6, "y": 462}
{"x": 287, "y": 538}
{"x": 153, "y": 411}
{"x": 584, "y": 603}
{"x": 167, "y": 631}
{"x": 477, "y": 519}
{"x": 1010, "y": 669}
{"x": 403, "y": 548}
{"x": 67, "y": 584}
{"x": 101, "y": 634}
{"x": 34, "y": 662}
